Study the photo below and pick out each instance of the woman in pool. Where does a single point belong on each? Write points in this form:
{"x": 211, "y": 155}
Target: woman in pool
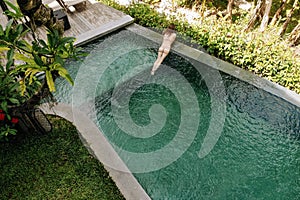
{"x": 169, "y": 37}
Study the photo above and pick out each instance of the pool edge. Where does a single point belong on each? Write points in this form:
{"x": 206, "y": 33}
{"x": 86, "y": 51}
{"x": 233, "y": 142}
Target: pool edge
{"x": 94, "y": 140}
{"x": 221, "y": 65}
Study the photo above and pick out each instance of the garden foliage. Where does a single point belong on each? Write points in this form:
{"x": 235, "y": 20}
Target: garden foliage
{"x": 28, "y": 69}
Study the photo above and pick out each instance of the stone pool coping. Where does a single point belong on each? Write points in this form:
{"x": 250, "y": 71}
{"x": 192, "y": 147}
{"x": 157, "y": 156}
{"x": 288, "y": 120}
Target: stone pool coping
{"x": 221, "y": 65}
{"x": 100, "y": 147}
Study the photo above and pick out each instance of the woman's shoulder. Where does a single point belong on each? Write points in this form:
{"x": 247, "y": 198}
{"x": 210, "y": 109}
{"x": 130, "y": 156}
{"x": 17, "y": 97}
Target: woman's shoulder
{"x": 167, "y": 30}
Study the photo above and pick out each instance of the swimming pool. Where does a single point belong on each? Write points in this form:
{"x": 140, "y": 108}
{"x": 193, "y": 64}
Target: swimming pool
{"x": 254, "y": 153}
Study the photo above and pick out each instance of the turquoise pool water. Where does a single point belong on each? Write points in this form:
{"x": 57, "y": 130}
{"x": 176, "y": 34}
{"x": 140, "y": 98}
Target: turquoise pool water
{"x": 256, "y": 157}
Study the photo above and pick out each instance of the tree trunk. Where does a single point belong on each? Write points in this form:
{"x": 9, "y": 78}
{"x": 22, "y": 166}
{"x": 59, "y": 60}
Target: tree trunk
{"x": 255, "y": 14}
{"x": 288, "y": 19}
{"x": 278, "y": 12}
{"x": 202, "y": 9}
{"x": 39, "y": 14}
{"x": 294, "y": 37}
{"x": 265, "y": 20}
{"x": 229, "y": 9}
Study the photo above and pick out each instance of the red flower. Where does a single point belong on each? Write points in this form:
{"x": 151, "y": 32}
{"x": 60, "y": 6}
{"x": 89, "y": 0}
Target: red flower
{"x": 2, "y": 116}
{"x": 14, "y": 120}
{"x": 1, "y": 111}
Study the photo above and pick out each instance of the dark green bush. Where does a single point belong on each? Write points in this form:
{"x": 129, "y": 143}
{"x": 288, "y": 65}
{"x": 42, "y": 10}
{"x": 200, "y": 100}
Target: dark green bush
{"x": 190, "y": 3}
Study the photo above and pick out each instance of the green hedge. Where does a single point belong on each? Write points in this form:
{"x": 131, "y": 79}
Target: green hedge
{"x": 272, "y": 59}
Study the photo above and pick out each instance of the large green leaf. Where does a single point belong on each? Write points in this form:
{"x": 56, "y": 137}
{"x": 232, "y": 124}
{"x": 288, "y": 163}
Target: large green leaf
{"x": 4, "y": 48}
{"x": 13, "y": 88}
{"x": 27, "y": 59}
{"x": 50, "y": 81}
{"x": 32, "y": 73}
{"x": 65, "y": 40}
{"x": 9, "y": 64}
{"x": 24, "y": 45}
{"x": 19, "y": 29}
{"x": 38, "y": 60}
{"x": 63, "y": 72}
{"x": 1, "y": 30}
{"x": 22, "y": 87}
{"x": 14, "y": 101}
{"x": 10, "y": 54}
{"x": 58, "y": 67}
{"x": 17, "y": 13}
{"x": 43, "y": 43}
{"x": 51, "y": 41}
{"x": 4, "y": 106}
{"x": 24, "y": 32}
{"x": 67, "y": 77}
{"x": 8, "y": 27}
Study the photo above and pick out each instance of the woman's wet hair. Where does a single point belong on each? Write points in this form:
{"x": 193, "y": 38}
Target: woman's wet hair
{"x": 170, "y": 29}
{"x": 172, "y": 26}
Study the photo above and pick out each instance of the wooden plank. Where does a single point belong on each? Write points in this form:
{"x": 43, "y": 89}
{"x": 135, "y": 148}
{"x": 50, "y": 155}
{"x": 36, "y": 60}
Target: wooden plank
{"x": 86, "y": 22}
{"x": 103, "y": 30}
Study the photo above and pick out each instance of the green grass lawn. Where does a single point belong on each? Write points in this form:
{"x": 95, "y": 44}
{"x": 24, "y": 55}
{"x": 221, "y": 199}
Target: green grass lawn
{"x": 52, "y": 166}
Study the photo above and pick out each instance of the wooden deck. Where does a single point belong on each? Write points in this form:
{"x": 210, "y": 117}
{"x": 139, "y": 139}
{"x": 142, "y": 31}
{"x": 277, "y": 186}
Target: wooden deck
{"x": 94, "y": 21}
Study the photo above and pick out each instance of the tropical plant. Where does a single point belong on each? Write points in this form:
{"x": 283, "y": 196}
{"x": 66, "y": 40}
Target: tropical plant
{"x": 28, "y": 69}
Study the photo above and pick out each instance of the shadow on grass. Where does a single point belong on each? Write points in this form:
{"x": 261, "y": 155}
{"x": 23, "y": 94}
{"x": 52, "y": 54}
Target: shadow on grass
{"x": 52, "y": 166}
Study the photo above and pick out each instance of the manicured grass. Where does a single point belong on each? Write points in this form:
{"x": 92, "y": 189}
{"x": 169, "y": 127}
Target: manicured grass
{"x": 52, "y": 166}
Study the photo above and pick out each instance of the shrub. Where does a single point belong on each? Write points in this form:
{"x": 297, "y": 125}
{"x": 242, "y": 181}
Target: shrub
{"x": 190, "y": 3}
{"x": 21, "y": 87}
